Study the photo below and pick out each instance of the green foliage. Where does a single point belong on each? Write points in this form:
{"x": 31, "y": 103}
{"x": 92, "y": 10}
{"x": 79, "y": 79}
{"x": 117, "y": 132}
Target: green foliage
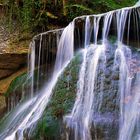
{"x": 95, "y": 7}
{"x": 80, "y": 7}
{"x": 107, "y": 5}
{"x": 36, "y": 15}
{"x": 26, "y": 14}
{"x": 75, "y": 10}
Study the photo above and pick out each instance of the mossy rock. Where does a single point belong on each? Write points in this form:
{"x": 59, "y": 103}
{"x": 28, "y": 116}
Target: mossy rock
{"x": 16, "y": 83}
{"x": 21, "y": 80}
{"x": 18, "y": 90}
{"x": 64, "y": 93}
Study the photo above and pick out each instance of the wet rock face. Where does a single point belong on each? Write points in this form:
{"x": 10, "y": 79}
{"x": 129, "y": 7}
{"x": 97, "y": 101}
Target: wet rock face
{"x": 105, "y": 118}
{"x": 110, "y": 85}
{"x": 106, "y": 114}
{"x": 9, "y": 63}
{"x": 5, "y": 73}
{"x": 105, "y": 127}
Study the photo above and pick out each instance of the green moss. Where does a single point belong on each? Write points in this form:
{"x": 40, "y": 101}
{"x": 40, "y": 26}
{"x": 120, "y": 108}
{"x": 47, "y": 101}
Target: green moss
{"x": 16, "y": 83}
{"x": 19, "y": 81}
{"x": 50, "y": 125}
{"x": 112, "y": 39}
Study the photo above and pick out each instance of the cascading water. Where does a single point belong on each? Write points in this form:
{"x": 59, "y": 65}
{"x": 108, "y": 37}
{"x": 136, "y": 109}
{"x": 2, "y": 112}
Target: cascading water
{"x": 138, "y": 3}
{"x": 31, "y": 66}
{"x": 84, "y": 106}
{"x": 107, "y": 101}
{"x": 132, "y": 115}
{"x": 87, "y": 113}
{"x": 26, "y": 114}
{"x": 87, "y": 31}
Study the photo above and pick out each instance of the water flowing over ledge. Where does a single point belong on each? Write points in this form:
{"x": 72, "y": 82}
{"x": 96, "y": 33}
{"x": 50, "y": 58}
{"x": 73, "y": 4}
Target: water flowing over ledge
{"x": 138, "y": 3}
{"x": 56, "y": 48}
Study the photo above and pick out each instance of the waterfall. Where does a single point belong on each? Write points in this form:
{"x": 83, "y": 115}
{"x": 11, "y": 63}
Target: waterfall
{"x": 87, "y": 31}
{"x": 87, "y": 111}
{"x": 107, "y": 100}
{"x": 83, "y": 109}
{"x": 31, "y": 65}
{"x": 26, "y": 114}
{"x": 132, "y": 114}
{"x": 138, "y": 3}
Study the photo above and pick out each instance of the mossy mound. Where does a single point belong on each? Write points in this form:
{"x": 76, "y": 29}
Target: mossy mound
{"x": 50, "y": 125}
{"x": 17, "y": 83}
{"x": 5, "y": 83}
{"x": 23, "y": 80}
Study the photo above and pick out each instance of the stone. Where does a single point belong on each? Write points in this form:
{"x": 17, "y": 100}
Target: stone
{"x": 10, "y": 63}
